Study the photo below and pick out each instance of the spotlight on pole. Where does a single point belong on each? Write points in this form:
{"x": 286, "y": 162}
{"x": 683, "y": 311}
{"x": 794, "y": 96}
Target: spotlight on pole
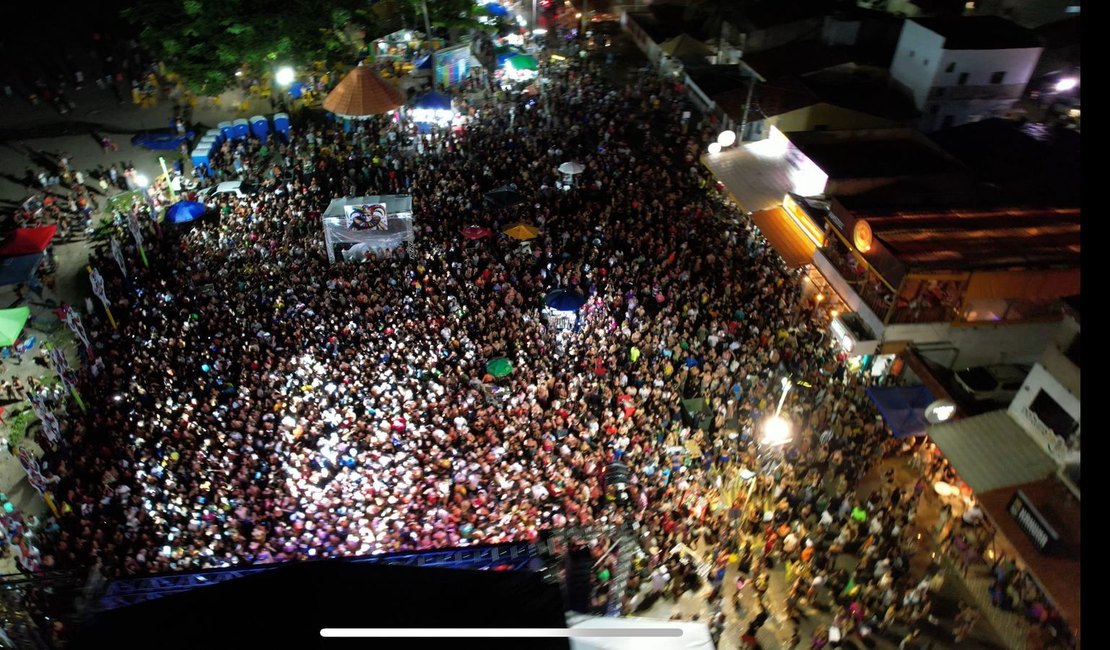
{"x": 285, "y": 76}
{"x": 727, "y": 138}
{"x": 714, "y": 147}
{"x": 141, "y": 180}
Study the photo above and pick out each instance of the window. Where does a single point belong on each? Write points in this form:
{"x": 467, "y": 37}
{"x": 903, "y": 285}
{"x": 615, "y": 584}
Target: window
{"x": 997, "y": 77}
{"x": 947, "y": 121}
{"x": 962, "y": 81}
{"x": 1053, "y": 415}
{"x": 925, "y": 62}
{"x": 934, "y": 109}
{"x": 911, "y": 54}
{"x": 951, "y": 67}
{"x": 938, "y": 92}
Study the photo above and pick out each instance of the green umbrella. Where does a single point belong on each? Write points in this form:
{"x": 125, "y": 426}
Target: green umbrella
{"x": 523, "y": 62}
{"x": 11, "y": 324}
{"x": 499, "y": 367}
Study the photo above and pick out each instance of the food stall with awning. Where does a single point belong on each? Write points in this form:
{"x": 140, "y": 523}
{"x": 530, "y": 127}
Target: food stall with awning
{"x": 1035, "y": 516}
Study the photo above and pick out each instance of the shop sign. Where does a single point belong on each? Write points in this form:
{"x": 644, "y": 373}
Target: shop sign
{"x": 1043, "y": 536}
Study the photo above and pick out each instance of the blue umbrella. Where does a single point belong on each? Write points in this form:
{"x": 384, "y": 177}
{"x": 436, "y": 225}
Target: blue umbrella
{"x": 495, "y": 9}
{"x": 185, "y": 211}
{"x": 563, "y": 300}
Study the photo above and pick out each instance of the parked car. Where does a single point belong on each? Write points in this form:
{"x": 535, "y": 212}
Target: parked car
{"x": 997, "y": 383}
{"x": 238, "y": 188}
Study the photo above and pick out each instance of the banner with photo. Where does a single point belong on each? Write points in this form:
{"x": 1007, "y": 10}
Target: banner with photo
{"x": 371, "y": 216}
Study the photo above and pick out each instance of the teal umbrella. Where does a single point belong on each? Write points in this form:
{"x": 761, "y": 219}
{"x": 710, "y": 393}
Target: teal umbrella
{"x": 499, "y": 367}
{"x": 523, "y": 62}
{"x": 11, "y": 324}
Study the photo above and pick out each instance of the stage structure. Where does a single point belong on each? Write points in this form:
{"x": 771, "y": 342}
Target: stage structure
{"x": 358, "y": 228}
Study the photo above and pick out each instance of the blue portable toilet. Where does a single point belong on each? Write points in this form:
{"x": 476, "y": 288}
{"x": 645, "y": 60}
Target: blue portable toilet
{"x": 281, "y": 125}
{"x": 215, "y": 134}
{"x": 240, "y": 128}
{"x": 226, "y": 130}
{"x": 211, "y": 140}
{"x": 260, "y": 127}
{"x": 201, "y": 155}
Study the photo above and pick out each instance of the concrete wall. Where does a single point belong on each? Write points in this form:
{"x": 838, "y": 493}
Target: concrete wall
{"x": 1040, "y": 379}
{"x": 835, "y": 31}
{"x": 977, "y": 98}
{"x": 980, "y": 345}
{"x": 776, "y": 35}
{"x": 916, "y": 60}
{"x": 649, "y": 47}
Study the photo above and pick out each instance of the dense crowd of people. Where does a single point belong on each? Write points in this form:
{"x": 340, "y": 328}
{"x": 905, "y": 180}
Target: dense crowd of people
{"x": 258, "y": 404}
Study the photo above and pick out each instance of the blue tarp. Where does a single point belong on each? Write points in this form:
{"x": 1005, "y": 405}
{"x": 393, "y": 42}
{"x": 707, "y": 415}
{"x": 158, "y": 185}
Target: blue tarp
{"x": 903, "y": 408}
{"x": 433, "y": 101}
{"x": 185, "y": 211}
{"x": 563, "y": 300}
{"x": 15, "y": 270}
{"x": 161, "y": 141}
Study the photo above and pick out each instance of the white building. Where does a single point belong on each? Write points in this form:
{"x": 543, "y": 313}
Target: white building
{"x": 963, "y": 69}
{"x": 1047, "y": 405}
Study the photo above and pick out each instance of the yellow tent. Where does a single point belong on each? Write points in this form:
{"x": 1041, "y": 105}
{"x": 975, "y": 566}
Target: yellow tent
{"x": 522, "y": 231}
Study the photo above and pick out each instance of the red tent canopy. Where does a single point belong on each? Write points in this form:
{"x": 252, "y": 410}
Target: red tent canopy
{"x": 27, "y": 241}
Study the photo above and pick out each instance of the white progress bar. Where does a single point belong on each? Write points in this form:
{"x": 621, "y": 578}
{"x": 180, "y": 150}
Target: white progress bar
{"x": 495, "y": 632}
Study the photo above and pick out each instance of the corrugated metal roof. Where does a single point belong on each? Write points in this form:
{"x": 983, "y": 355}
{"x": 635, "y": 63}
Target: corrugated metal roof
{"x": 991, "y": 451}
{"x": 757, "y": 175}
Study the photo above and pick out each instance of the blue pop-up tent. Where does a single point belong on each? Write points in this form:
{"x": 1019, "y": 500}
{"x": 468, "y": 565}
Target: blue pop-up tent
{"x": 564, "y": 300}
{"x": 185, "y": 211}
{"x": 903, "y": 408}
{"x": 495, "y": 9}
{"x": 19, "y": 269}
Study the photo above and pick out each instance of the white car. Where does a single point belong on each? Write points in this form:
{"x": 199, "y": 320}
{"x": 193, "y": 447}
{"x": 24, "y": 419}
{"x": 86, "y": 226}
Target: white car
{"x": 238, "y": 188}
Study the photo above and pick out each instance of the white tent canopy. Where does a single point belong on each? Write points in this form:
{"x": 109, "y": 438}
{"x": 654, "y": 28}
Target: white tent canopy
{"x": 695, "y": 635}
{"x": 360, "y": 244}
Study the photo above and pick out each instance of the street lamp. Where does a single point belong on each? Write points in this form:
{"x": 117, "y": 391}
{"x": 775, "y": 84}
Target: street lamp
{"x": 714, "y": 147}
{"x": 285, "y": 76}
{"x": 142, "y": 181}
{"x": 727, "y": 138}
{"x": 777, "y": 429}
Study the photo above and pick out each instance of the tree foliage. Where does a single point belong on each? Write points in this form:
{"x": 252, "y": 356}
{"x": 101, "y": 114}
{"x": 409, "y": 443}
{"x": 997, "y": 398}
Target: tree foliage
{"x": 451, "y": 14}
{"x": 206, "y": 41}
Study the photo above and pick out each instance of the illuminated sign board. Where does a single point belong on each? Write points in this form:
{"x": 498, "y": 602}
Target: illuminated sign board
{"x": 1043, "y": 536}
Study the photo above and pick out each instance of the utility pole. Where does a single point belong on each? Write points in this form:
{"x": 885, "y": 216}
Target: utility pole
{"x": 752, "y": 77}
{"x": 428, "y": 39}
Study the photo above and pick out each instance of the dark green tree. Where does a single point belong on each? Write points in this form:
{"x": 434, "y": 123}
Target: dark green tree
{"x": 453, "y": 15}
{"x": 206, "y": 41}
